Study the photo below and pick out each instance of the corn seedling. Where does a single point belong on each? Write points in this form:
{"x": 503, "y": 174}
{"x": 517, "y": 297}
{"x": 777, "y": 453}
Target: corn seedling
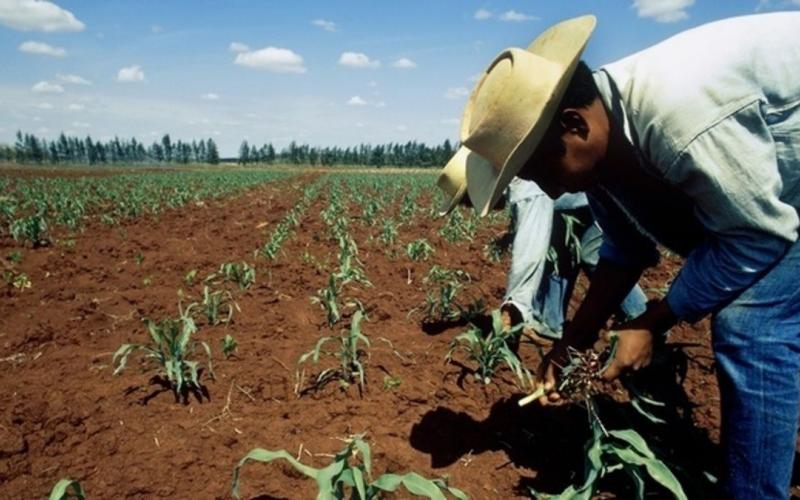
{"x": 229, "y": 346}
{"x": 455, "y": 229}
{"x": 419, "y": 250}
{"x": 491, "y": 349}
{"x": 15, "y": 257}
{"x": 217, "y": 306}
{"x": 20, "y": 281}
{"x": 328, "y": 298}
{"x": 349, "y": 354}
{"x": 391, "y": 383}
{"x": 494, "y": 250}
{"x": 169, "y": 352}
{"x": 370, "y": 212}
{"x": 388, "y": 234}
{"x": 32, "y": 228}
{"x": 349, "y": 475}
{"x": 190, "y": 277}
{"x": 243, "y": 274}
{"x": 67, "y": 489}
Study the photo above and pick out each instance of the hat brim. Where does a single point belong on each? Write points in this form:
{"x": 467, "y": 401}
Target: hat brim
{"x": 454, "y": 173}
{"x": 486, "y": 185}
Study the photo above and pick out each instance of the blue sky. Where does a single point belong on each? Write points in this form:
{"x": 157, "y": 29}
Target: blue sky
{"x": 320, "y": 72}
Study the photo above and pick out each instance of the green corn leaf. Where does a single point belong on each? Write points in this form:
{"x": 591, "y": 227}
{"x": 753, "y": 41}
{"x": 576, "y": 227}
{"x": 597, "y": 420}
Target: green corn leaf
{"x": 366, "y": 453}
{"x": 635, "y": 440}
{"x": 358, "y": 479}
{"x": 266, "y": 456}
{"x": 656, "y": 469}
{"x": 66, "y": 489}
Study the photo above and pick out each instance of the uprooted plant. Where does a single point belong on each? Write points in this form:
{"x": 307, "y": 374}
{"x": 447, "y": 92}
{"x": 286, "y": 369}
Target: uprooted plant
{"x": 349, "y": 353}
{"x": 349, "y": 475}
{"x": 169, "y": 352}
{"x": 67, "y": 489}
{"x": 490, "y": 350}
{"x": 607, "y": 451}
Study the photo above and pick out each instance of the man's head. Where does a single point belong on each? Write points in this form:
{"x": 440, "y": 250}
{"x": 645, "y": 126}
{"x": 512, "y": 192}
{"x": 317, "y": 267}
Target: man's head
{"x": 568, "y": 156}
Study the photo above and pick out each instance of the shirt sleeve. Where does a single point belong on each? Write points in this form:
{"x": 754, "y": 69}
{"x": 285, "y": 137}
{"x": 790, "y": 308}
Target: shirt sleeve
{"x": 730, "y": 172}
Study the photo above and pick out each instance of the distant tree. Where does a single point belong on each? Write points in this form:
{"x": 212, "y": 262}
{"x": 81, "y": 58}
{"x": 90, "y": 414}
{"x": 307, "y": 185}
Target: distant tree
{"x": 244, "y": 153}
{"x": 212, "y": 155}
{"x": 166, "y": 143}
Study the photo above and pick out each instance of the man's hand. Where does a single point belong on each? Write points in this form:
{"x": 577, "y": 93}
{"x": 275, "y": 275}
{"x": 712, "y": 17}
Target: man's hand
{"x": 634, "y": 351}
{"x": 635, "y": 339}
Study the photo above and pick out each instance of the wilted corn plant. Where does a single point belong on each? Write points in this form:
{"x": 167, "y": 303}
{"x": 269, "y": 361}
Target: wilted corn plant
{"x": 607, "y": 451}
{"x": 242, "y": 274}
{"x": 217, "y": 306}
{"x": 490, "y": 350}
{"x": 349, "y": 475}
{"x": 349, "y": 354}
{"x": 67, "y": 489}
{"x": 419, "y": 250}
{"x": 169, "y": 351}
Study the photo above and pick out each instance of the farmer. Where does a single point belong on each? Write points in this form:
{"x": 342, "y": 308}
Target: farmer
{"x": 694, "y": 144}
{"x": 546, "y": 255}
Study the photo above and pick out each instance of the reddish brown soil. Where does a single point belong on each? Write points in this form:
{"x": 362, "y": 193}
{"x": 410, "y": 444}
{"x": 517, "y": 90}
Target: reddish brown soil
{"x": 62, "y": 414}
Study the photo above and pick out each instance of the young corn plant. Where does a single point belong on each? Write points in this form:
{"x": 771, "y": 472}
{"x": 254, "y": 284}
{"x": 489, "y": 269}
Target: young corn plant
{"x": 441, "y": 303}
{"x": 349, "y": 475}
{"x": 490, "y": 350}
{"x": 419, "y": 250}
{"x": 32, "y": 228}
{"x": 607, "y": 451}
{"x": 328, "y": 299}
{"x": 388, "y": 234}
{"x": 67, "y": 489}
{"x": 242, "y": 274}
{"x": 349, "y": 353}
{"x": 229, "y": 346}
{"x": 455, "y": 228}
{"x": 217, "y": 307}
{"x": 169, "y": 352}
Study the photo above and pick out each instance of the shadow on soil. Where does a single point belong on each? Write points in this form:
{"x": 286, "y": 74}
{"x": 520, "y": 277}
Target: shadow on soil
{"x": 550, "y": 441}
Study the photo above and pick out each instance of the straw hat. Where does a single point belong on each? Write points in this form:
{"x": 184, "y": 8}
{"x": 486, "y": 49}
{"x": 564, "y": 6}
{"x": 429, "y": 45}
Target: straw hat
{"x": 510, "y": 110}
{"x": 453, "y": 179}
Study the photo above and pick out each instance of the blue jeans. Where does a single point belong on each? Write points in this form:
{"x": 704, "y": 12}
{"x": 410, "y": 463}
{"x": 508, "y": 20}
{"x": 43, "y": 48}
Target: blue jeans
{"x": 541, "y": 289}
{"x": 756, "y": 342}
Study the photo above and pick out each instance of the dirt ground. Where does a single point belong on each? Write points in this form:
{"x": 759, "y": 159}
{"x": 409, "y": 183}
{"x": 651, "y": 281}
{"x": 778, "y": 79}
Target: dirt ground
{"x": 63, "y": 414}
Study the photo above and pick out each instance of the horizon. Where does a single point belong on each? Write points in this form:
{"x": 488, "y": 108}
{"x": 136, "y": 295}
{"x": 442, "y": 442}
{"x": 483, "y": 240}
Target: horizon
{"x": 324, "y": 75}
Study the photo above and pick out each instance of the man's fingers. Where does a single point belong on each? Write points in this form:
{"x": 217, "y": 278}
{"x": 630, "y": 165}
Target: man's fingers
{"x": 613, "y": 371}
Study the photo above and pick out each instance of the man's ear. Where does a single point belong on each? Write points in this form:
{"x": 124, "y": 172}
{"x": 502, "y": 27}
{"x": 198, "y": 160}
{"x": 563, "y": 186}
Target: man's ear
{"x": 573, "y": 122}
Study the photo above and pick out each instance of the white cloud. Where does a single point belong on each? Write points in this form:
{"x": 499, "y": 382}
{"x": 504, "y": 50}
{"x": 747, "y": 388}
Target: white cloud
{"x": 130, "y": 74}
{"x": 404, "y": 63}
{"x": 326, "y": 25}
{"x": 47, "y": 88}
{"x": 211, "y": 96}
{"x": 76, "y": 107}
{"x": 73, "y": 79}
{"x": 357, "y": 60}
{"x": 456, "y": 93}
{"x": 272, "y": 59}
{"x": 482, "y": 14}
{"x": 238, "y": 47}
{"x": 44, "y": 105}
{"x": 356, "y": 101}
{"x": 663, "y": 11}
{"x": 81, "y": 125}
{"x": 514, "y": 16}
{"x": 37, "y": 15}
{"x": 41, "y": 48}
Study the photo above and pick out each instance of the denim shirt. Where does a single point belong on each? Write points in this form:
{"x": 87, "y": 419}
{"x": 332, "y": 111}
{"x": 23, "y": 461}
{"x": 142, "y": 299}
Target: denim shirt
{"x": 714, "y": 114}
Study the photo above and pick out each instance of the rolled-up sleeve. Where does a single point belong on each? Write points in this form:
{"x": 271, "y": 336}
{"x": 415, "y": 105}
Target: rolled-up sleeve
{"x": 730, "y": 172}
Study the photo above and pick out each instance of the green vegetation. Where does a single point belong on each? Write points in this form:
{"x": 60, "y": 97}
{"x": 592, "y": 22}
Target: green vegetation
{"x": 489, "y": 350}
{"x": 169, "y": 352}
{"x": 349, "y": 475}
{"x": 67, "y": 489}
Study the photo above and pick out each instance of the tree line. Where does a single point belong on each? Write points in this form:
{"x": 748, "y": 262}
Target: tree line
{"x": 29, "y": 148}
{"x": 409, "y": 154}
